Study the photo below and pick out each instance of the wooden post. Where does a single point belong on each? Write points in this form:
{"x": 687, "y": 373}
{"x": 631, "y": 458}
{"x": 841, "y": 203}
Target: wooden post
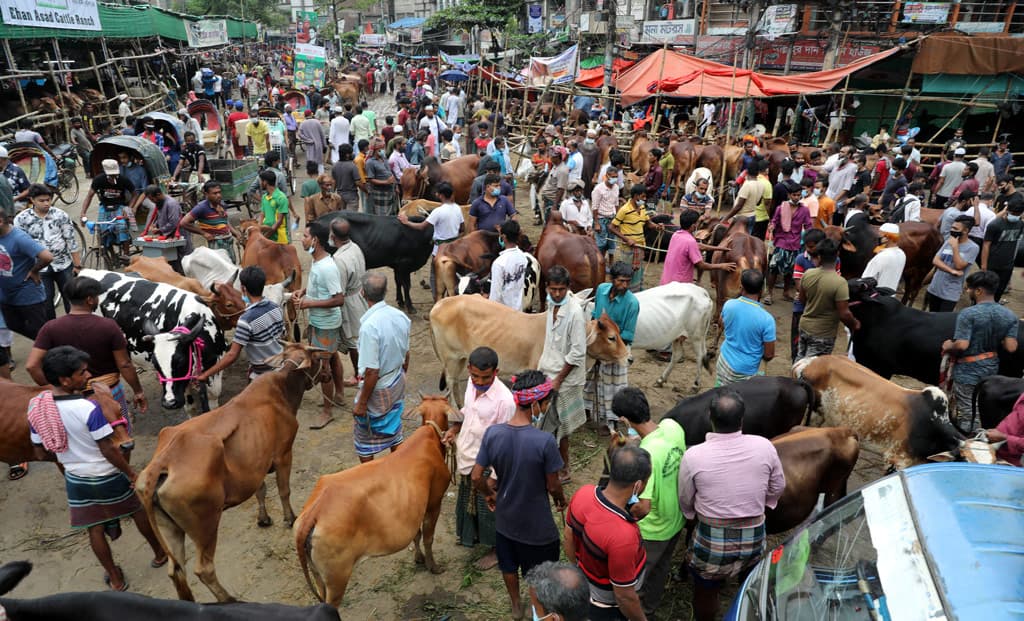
{"x": 657, "y": 99}
{"x": 728, "y": 133}
{"x": 99, "y": 82}
{"x": 117, "y": 66}
{"x": 999, "y": 113}
{"x": 903, "y": 100}
{"x": 17, "y": 81}
{"x": 53, "y": 76}
{"x": 842, "y": 111}
{"x": 959, "y": 112}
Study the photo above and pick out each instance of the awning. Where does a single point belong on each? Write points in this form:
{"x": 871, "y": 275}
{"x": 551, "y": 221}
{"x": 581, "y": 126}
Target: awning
{"x": 986, "y": 87}
{"x": 973, "y": 55}
{"x": 680, "y": 75}
{"x": 407, "y": 22}
{"x": 594, "y": 77}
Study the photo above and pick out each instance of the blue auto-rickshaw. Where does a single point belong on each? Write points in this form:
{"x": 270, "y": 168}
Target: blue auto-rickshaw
{"x": 933, "y": 542}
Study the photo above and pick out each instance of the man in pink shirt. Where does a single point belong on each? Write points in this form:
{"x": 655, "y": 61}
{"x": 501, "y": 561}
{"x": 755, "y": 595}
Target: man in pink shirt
{"x": 726, "y": 483}
{"x": 1010, "y": 429}
{"x": 684, "y": 252}
{"x": 488, "y": 402}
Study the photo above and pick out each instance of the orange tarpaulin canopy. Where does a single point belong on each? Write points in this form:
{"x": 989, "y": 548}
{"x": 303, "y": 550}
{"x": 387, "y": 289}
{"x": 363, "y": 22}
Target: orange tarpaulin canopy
{"x": 688, "y": 76}
{"x": 594, "y": 77}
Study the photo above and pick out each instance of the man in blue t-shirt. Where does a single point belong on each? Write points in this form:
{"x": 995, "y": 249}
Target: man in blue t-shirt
{"x": 803, "y": 263}
{"x": 982, "y": 330}
{"x": 526, "y": 462}
{"x": 749, "y": 333}
{"x": 22, "y": 296}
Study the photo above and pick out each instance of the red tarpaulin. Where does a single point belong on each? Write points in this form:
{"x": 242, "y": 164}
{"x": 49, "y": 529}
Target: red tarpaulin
{"x": 682, "y": 75}
{"x": 594, "y": 77}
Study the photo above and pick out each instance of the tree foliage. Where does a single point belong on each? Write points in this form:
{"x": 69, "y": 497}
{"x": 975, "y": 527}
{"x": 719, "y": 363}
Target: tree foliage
{"x": 263, "y": 11}
{"x": 489, "y": 14}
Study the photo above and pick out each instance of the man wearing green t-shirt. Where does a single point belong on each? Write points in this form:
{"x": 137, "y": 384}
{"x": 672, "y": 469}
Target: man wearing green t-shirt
{"x": 274, "y": 205}
{"x": 660, "y": 518}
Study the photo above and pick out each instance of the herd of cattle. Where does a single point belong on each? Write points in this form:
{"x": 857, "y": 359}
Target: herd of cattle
{"x": 217, "y": 461}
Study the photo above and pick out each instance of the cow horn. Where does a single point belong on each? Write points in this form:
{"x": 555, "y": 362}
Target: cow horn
{"x": 235, "y": 277}
{"x": 288, "y": 281}
{"x": 149, "y": 328}
{"x": 194, "y": 324}
{"x": 213, "y": 288}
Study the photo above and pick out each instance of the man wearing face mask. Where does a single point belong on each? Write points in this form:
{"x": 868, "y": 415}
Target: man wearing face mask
{"x": 982, "y": 330}
{"x": 558, "y": 592}
{"x": 488, "y": 402}
{"x": 508, "y": 271}
{"x": 951, "y": 264}
{"x": 661, "y": 520}
{"x": 526, "y": 462}
{"x": 603, "y": 539}
{"x": 351, "y": 268}
{"x": 628, "y": 225}
{"x": 726, "y": 483}
{"x": 380, "y": 183}
{"x": 999, "y": 249}
{"x": 564, "y": 357}
{"x": 591, "y": 155}
{"x": 604, "y": 201}
{"x": 608, "y": 378}
{"x": 325, "y": 298}
{"x": 492, "y": 208}
{"x": 1006, "y": 192}
{"x": 1002, "y": 159}
{"x": 886, "y": 267}
{"x": 575, "y": 209}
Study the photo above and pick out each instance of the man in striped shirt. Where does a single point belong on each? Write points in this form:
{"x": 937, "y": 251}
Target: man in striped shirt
{"x": 258, "y": 330}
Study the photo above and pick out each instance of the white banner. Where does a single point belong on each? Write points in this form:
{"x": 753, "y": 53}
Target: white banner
{"x": 778, "y": 20}
{"x": 676, "y": 31}
{"x": 65, "y": 14}
{"x": 372, "y": 40}
{"x": 554, "y": 69}
{"x": 206, "y": 32}
{"x": 926, "y": 12}
{"x": 313, "y": 51}
{"x": 535, "y": 21}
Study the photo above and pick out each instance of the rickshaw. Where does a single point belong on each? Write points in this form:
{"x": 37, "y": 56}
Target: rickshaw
{"x": 173, "y": 132}
{"x": 296, "y": 99}
{"x": 209, "y": 120}
{"x": 279, "y": 142}
{"x": 936, "y": 541}
{"x": 39, "y": 167}
{"x": 106, "y": 256}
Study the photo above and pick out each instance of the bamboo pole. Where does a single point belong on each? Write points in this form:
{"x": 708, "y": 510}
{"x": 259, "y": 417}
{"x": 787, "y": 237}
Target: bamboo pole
{"x": 53, "y": 76}
{"x": 728, "y": 134}
{"x": 903, "y": 101}
{"x": 657, "y": 98}
{"x": 842, "y": 112}
{"x": 17, "y": 83}
{"x": 999, "y": 115}
{"x": 963, "y": 107}
{"x": 99, "y": 82}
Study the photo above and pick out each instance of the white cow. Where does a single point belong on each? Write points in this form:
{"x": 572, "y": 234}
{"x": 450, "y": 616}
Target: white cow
{"x": 208, "y": 266}
{"x": 673, "y": 313}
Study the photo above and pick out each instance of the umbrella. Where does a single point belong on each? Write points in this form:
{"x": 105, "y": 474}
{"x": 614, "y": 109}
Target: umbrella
{"x": 454, "y": 75}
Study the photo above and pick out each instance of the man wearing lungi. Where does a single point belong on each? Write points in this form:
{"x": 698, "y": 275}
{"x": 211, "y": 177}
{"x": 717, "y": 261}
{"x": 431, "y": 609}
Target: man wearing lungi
{"x": 564, "y": 358}
{"x": 628, "y": 225}
{"x": 608, "y": 378}
{"x": 68, "y": 428}
{"x": 99, "y": 337}
{"x": 351, "y": 264}
{"x": 383, "y": 361}
{"x": 488, "y": 402}
{"x": 726, "y": 483}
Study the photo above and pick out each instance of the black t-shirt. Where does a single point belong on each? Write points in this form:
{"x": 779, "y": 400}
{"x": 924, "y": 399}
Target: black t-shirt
{"x": 113, "y": 193}
{"x": 192, "y": 153}
{"x": 861, "y": 182}
{"x": 1000, "y": 201}
{"x": 1004, "y": 236}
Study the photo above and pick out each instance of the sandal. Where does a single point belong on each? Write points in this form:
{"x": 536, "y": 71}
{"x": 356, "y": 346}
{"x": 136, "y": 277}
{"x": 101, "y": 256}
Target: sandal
{"x": 124, "y": 583}
{"x": 17, "y": 471}
{"x": 155, "y": 564}
{"x": 323, "y": 424}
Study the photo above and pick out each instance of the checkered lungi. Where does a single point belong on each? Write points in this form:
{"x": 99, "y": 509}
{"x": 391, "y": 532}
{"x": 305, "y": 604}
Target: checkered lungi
{"x": 634, "y": 256}
{"x": 782, "y": 261}
{"x": 606, "y": 379}
{"x": 474, "y": 522}
{"x": 725, "y": 374}
{"x": 382, "y": 202}
{"x": 723, "y": 548}
{"x": 381, "y": 428}
{"x": 964, "y": 395}
{"x": 97, "y": 500}
{"x": 571, "y": 412}
{"x": 809, "y": 346}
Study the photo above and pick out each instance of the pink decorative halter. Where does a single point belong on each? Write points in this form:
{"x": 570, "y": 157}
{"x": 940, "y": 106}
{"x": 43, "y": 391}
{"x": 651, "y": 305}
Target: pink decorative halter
{"x": 195, "y": 359}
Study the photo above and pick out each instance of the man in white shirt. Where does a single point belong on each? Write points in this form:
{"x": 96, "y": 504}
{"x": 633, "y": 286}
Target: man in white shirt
{"x": 453, "y": 108}
{"x": 986, "y": 171}
{"x": 574, "y": 161}
{"x": 911, "y": 203}
{"x": 508, "y": 271}
{"x": 339, "y": 133}
{"x": 950, "y": 177}
{"x": 124, "y": 109}
{"x": 840, "y": 179}
{"x": 575, "y": 209}
{"x": 709, "y": 115}
{"x": 886, "y": 267}
{"x": 982, "y": 216}
{"x": 435, "y": 126}
{"x": 448, "y": 223}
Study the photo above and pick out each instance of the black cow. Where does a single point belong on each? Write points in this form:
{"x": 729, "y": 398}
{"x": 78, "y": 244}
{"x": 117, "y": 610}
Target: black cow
{"x": 386, "y": 242}
{"x": 659, "y": 239}
{"x": 994, "y": 398}
{"x": 112, "y": 606}
{"x": 898, "y": 340}
{"x": 774, "y": 405}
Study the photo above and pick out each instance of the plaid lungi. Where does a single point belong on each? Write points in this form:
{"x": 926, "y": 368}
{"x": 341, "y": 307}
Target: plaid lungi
{"x": 606, "y": 379}
{"x": 782, "y": 261}
{"x": 474, "y": 522}
{"x": 381, "y": 428}
{"x": 809, "y": 346}
{"x": 723, "y": 548}
{"x": 382, "y": 202}
{"x": 571, "y": 412}
{"x": 725, "y": 375}
{"x": 964, "y": 395}
{"x": 95, "y": 500}
{"x": 634, "y": 256}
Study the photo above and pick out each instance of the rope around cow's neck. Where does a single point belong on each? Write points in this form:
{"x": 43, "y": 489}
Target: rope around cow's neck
{"x": 195, "y": 359}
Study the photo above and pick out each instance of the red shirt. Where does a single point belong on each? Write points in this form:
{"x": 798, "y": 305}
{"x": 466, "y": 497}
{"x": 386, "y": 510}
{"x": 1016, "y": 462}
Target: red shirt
{"x": 233, "y": 118}
{"x": 609, "y": 548}
{"x": 881, "y": 174}
{"x": 1013, "y": 427}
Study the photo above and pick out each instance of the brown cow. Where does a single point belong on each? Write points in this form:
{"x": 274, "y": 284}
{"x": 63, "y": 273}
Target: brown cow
{"x": 733, "y": 161}
{"x": 220, "y": 459}
{"x": 472, "y": 253}
{"x": 422, "y": 207}
{"x": 223, "y": 299}
{"x": 576, "y": 253}
{"x": 639, "y": 154}
{"x": 376, "y": 508}
{"x": 279, "y": 261}
{"x": 15, "y": 445}
{"x": 460, "y": 324}
{"x": 348, "y": 88}
{"x": 460, "y": 172}
{"x": 907, "y": 425}
{"x": 815, "y": 461}
{"x": 746, "y": 251}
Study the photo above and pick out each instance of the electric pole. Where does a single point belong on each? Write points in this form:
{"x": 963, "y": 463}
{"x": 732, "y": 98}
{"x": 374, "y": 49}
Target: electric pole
{"x": 609, "y": 53}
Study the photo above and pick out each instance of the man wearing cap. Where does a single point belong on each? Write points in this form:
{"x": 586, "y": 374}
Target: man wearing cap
{"x": 115, "y": 194}
{"x": 434, "y": 125}
{"x": 339, "y": 133}
{"x": 575, "y": 209}
{"x": 15, "y": 176}
{"x": 951, "y": 176}
{"x": 237, "y": 114}
{"x": 191, "y": 124}
{"x": 886, "y": 267}
{"x": 124, "y": 110}
{"x": 551, "y": 133}
{"x": 311, "y": 135}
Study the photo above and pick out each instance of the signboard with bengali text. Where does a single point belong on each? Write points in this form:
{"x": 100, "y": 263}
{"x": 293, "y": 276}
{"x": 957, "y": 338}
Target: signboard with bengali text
{"x": 674, "y": 31}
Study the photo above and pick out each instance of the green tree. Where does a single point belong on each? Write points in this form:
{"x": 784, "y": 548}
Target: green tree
{"x": 264, "y": 11}
{"x": 489, "y": 14}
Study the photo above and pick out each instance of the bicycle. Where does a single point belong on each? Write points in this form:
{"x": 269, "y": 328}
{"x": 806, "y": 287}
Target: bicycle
{"x": 67, "y": 178}
{"x": 101, "y": 255}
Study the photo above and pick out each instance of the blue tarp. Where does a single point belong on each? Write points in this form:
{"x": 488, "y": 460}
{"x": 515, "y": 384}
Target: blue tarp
{"x": 407, "y": 22}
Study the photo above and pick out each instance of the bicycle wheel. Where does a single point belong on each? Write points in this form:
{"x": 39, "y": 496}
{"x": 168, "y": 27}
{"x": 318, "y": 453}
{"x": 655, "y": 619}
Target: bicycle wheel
{"x": 94, "y": 260}
{"x": 67, "y": 187}
{"x": 83, "y": 246}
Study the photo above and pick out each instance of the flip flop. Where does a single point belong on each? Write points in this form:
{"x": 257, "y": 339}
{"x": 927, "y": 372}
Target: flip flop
{"x": 124, "y": 584}
{"x": 17, "y": 472}
{"x": 158, "y": 564}
{"x": 322, "y": 425}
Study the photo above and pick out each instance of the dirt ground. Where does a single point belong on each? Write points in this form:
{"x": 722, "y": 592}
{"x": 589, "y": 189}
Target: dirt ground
{"x": 260, "y": 565}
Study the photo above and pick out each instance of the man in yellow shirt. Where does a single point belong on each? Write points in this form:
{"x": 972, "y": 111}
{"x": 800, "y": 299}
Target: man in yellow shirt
{"x": 258, "y": 133}
{"x": 761, "y": 215}
{"x": 360, "y": 161}
{"x": 628, "y": 225}
{"x": 274, "y": 205}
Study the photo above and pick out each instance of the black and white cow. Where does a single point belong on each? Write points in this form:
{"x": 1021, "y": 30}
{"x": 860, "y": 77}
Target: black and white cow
{"x": 170, "y": 326}
{"x": 209, "y": 266}
{"x": 478, "y": 283}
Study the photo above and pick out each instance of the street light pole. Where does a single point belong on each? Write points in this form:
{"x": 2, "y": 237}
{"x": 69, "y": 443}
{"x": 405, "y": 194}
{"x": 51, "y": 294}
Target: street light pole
{"x": 609, "y": 49}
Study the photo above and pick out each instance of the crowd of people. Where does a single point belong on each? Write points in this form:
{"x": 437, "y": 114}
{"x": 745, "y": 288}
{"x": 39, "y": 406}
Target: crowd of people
{"x": 619, "y": 539}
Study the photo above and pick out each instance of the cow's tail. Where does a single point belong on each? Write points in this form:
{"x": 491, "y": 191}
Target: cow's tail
{"x": 304, "y": 528}
{"x": 442, "y": 383}
{"x": 704, "y": 330}
{"x": 812, "y": 400}
{"x": 147, "y": 484}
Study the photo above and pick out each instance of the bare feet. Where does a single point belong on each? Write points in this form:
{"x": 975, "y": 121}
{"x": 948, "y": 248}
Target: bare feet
{"x": 488, "y": 561}
{"x": 324, "y": 420}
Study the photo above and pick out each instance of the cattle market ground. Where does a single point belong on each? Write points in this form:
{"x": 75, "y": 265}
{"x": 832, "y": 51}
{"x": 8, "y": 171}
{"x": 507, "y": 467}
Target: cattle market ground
{"x": 260, "y": 565}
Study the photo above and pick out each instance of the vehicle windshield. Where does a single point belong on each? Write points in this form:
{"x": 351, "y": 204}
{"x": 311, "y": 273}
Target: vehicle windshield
{"x": 860, "y": 560}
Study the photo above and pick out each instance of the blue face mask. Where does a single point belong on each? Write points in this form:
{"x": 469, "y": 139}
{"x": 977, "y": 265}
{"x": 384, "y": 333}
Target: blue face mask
{"x": 496, "y": 192}
{"x": 245, "y": 299}
{"x": 552, "y": 301}
{"x": 501, "y": 242}
{"x": 1013, "y": 218}
{"x": 480, "y": 388}
{"x": 535, "y": 617}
